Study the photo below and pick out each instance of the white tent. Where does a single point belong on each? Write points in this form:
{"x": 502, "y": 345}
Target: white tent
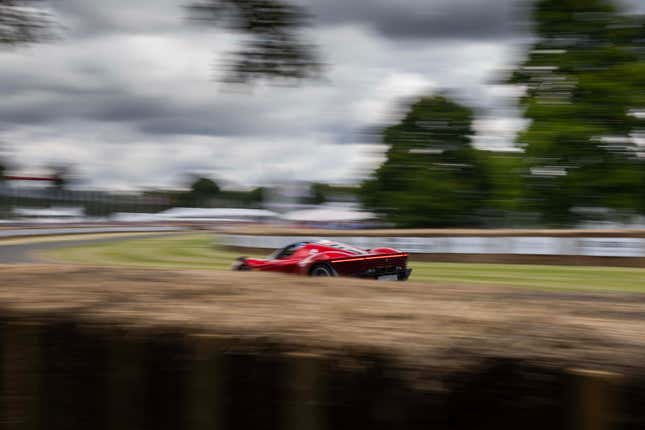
{"x": 217, "y": 214}
{"x": 53, "y": 212}
{"x": 329, "y": 214}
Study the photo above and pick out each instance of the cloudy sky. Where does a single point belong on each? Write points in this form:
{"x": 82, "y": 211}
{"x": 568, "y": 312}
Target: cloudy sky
{"x": 129, "y": 94}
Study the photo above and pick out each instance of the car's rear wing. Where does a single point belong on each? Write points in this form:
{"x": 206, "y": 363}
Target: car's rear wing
{"x": 387, "y": 257}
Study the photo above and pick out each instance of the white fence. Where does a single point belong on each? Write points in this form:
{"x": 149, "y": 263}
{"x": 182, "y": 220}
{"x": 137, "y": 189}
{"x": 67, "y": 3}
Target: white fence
{"x": 524, "y": 245}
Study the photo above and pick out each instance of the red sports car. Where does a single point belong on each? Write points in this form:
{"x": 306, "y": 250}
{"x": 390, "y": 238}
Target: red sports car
{"x": 328, "y": 258}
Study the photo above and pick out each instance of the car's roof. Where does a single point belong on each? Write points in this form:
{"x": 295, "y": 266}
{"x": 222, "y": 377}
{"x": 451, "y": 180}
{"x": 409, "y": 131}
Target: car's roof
{"x": 340, "y": 246}
{"x": 328, "y": 244}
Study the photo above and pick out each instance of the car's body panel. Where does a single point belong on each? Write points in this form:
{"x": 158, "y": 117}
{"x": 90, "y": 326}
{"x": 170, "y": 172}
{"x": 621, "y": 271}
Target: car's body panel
{"x": 340, "y": 259}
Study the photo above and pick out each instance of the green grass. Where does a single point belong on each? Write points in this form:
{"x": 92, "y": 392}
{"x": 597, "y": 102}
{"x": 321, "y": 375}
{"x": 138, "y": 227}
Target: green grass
{"x": 198, "y": 251}
{"x": 534, "y": 276}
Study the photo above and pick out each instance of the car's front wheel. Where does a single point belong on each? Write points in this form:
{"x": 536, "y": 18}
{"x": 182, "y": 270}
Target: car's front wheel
{"x": 321, "y": 270}
{"x": 240, "y": 265}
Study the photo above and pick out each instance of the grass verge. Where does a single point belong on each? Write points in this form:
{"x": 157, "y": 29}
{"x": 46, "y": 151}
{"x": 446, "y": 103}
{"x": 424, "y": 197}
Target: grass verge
{"x": 199, "y": 251}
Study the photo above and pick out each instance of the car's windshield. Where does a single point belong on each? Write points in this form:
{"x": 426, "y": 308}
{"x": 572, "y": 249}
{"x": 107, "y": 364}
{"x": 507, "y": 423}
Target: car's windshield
{"x": 287, "y": 251}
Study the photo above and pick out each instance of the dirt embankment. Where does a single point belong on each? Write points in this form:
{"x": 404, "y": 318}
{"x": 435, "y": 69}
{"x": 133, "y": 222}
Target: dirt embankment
{"x": 417, "y": 325}
{"x": 131, "y": 348}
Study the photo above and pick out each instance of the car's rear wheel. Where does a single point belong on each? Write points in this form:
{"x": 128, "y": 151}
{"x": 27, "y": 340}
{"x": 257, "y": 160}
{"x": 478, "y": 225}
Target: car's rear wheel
{"x": 321, "y": 270}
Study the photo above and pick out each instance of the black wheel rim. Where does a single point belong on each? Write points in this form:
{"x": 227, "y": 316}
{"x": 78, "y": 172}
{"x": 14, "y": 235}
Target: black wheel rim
{"x": 320, "y": 271}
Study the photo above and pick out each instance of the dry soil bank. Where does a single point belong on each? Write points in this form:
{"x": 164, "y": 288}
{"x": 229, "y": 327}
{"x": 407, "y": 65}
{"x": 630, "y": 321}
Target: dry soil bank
{"x": 418, "y": 325}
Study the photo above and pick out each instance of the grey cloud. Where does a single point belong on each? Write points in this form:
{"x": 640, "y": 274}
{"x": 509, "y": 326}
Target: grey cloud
{"x": 144, "y": 80}
{"x": 51, "y": 105}
{"x": 462, "y": 19}
{"x": 436, "y": 19}
{"x": 419, "y": 19}
{"x": 406, "y": 19}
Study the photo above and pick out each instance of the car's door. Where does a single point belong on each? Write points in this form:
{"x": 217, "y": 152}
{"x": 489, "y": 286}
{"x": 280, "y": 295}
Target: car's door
{"x": 287, "y": 259}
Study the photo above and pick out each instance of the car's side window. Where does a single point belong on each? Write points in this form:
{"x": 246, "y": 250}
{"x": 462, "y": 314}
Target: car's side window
{"x": 288, "y": 251}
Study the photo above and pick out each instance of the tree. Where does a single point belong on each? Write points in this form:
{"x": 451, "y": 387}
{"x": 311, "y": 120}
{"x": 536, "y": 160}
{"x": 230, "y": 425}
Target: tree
{"x": 202, "y": 192}
{"x": 274, "y": 49}
{"x": 584, "y": 78}
{"x": 503, "y": 173}
{"x": 318, "y": 193}
{"x": 432, "y": 176}
{"x": 204, "y": 187}
{"x": 257, "y": 195}
{"x": 22, "y": 22}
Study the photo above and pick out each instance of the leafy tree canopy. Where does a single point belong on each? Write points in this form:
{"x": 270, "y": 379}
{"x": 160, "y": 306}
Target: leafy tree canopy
{"x": 273, "y": 49}
{"x": 432, "y": 176}
{"x": 584, "y": 80}
{"x": 204, "y": 187}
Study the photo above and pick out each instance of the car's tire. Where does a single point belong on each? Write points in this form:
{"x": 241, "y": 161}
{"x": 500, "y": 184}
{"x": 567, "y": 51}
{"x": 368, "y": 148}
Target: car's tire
{"x": 241, "y": 267}
{"x": 322, "y": 270}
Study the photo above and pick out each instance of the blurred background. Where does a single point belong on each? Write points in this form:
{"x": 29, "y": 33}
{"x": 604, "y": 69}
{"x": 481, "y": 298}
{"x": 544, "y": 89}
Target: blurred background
{"x": 501, "y": 143}
{"x": 415, "y": 114}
